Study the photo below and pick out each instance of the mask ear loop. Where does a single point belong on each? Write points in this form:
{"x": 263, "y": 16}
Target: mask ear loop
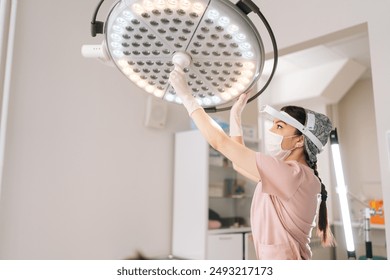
{"x": 301, "y": 142}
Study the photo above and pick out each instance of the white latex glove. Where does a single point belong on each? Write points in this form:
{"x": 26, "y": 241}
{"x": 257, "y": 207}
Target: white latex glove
{"x": 177, "y": 79}
{"x": 235, "y": 115}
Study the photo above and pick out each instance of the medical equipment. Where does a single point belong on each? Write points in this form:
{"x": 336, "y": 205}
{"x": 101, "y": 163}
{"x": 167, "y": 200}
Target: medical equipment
{"x": 372, "y": 214}
{"x": 341, "y": 189}
{"x": 214, "y": 40}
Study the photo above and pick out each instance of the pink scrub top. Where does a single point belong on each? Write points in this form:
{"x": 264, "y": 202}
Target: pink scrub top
{"x": 284, "y": 209}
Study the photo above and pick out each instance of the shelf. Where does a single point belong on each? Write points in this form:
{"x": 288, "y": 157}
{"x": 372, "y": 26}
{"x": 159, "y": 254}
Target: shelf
{"x": 376, "y": 226}
{"x": 231, "y": 197}
{"x": 360, "y": 224}
{"x": 251, "y": 141}
{"x": 229, "y": 230}
{"x": 228, "y": 167}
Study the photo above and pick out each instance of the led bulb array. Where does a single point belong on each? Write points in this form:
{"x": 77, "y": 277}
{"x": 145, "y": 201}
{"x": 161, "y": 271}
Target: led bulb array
{"x": 226, "y": 51}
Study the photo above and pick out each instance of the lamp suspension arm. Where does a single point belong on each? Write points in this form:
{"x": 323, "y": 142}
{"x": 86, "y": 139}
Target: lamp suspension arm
{"x": 248, "y": 6}
{"x": 275, "y": 50}
{"x": 96, "y": 26}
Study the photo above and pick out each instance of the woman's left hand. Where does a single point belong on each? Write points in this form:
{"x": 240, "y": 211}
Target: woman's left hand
{"x": 235, "y": 115}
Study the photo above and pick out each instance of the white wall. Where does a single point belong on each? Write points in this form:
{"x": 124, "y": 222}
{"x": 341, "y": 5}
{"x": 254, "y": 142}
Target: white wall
{"x": 357, "y": 129}
{"x": 83, "y": 177}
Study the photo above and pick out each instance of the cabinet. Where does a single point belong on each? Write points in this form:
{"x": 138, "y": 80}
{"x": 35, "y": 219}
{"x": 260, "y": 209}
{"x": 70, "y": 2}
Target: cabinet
{"x": 206, "y": 185}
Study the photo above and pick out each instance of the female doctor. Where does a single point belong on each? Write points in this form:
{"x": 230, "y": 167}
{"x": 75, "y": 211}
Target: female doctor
{"x": 285, "y": 203}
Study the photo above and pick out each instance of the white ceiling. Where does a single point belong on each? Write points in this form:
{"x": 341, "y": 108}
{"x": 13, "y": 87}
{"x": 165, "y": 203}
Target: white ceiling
{"x": 354, "y": 47}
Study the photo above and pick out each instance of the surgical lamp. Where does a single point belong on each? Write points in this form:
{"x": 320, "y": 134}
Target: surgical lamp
{"x": 214, "y": 41}
{"x": 342, "y": 192}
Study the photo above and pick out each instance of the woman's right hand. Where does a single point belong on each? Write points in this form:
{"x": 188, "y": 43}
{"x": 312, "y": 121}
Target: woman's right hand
{"x": 178, "y": 81}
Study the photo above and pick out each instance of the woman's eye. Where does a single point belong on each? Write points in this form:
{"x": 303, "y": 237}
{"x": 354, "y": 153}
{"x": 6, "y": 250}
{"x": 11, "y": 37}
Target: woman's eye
{"x": 279, "y": 126}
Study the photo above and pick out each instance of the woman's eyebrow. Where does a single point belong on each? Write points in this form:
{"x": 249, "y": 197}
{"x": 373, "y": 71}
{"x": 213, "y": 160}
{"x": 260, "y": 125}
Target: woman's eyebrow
{"x": 280, "y": 121}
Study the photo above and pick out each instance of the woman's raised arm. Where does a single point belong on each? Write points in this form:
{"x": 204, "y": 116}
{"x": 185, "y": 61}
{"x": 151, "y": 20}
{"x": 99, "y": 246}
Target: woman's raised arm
{"x": 240, "y": 155}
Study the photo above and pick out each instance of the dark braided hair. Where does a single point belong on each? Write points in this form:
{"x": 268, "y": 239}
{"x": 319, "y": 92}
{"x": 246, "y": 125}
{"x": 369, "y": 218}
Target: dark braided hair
{"x": 323, "y": 229}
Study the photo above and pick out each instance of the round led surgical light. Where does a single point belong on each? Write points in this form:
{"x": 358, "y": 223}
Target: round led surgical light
{"x": 223, "y": 50}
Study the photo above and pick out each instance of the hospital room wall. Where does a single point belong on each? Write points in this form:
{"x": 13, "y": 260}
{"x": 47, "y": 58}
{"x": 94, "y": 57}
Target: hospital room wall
{"x": 358, "y": 143}
{"x": 83, "y": 177}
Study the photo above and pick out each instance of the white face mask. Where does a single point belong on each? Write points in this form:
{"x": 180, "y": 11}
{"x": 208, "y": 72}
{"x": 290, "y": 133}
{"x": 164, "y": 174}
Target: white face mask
{"x": 273, "y": 145}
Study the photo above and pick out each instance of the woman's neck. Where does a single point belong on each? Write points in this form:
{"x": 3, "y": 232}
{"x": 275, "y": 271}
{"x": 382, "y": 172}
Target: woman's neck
{"x": 298, "y": 155}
